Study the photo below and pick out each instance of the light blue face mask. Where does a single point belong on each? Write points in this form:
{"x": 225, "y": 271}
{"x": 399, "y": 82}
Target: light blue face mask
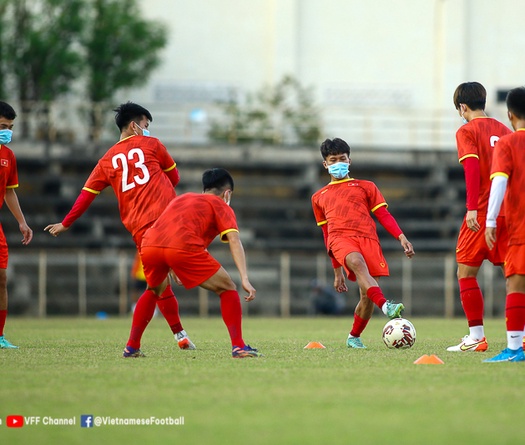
{"x": 5, "y": 136}
{"x": 339, "y": 170}
{"x": 145, "y": 131}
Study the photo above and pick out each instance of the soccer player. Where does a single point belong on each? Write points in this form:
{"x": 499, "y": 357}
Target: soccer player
{"x": 342, "y": 209}
{"x": 8, "y": 183}
{"x": 179, "y": 240}
{"x": 143, "y": 175}
{"x": 508, "y": 184}
{"x": 475, "y": 142}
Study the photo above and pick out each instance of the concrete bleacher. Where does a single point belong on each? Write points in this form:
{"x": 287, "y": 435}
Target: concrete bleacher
{"x": 272, "y": 196}
{"x": 273, "y": 187}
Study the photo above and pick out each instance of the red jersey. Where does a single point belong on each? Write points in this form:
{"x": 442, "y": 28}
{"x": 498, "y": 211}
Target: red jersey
{"x": 191, "y": 222}
{"x": 509, "y": 161}
{"x": 477, "y": 139}
{"x": 345, "y": 206}
{"x": 8, "y": 171}
{"x": 134, "y": 167}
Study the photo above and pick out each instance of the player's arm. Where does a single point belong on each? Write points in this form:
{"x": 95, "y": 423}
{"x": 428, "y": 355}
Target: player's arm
{"x": 497, "y": 193}
{"x": 339, "y": 278}
{"x": 472, "y": 184}
{"x": 173, "y": 175}
{"x": 11, "y": 200}
{"x": 386, "y": 219}
{"x": 82, "y": 203}
{"x": 239, "y": 258}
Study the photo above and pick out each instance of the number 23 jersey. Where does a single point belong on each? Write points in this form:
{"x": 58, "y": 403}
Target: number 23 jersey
{"x": 134, "y": 167}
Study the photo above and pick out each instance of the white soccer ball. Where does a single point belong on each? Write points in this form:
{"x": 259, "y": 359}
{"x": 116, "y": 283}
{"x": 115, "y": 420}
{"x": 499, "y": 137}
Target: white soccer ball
{"x": 399, "y": 333}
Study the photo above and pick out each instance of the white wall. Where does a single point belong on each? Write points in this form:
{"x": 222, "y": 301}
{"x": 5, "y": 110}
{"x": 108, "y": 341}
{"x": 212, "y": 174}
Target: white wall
{"x": 360, "y": 55}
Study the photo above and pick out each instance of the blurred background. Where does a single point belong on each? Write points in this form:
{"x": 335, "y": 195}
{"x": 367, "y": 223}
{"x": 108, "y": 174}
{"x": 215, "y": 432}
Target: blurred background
{"x": 254, "y": 87}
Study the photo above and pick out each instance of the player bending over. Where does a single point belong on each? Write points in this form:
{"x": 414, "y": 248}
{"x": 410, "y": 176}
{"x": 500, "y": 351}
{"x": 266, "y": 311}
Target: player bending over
{"x": 179, "y": 240}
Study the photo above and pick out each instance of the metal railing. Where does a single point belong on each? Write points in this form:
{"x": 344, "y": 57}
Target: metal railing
{"x": 84, "y": 283}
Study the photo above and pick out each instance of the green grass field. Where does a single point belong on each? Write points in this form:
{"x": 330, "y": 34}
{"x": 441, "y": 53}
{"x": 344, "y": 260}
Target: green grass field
{"x": 69, "y": 367}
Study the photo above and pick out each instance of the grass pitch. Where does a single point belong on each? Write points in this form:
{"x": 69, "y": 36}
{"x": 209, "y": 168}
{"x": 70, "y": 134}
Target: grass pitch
{"x": 70, "y": 367}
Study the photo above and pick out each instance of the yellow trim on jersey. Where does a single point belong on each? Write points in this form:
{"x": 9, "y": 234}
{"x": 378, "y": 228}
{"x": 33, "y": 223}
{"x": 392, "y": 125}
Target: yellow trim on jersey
{"x": 122, "y": 140}
{"x": 341, "y": 180}
{"x": 11, "y": 186}
{"x": 379, "y": 205}
{"x": 493, "y": 175}
{"x": 471, "y": 155}
{"x": 322, "y": 223}
{"x": 171, "y": 168}
{"x": 91, "y": 190}
{"x": 225, "y": 232}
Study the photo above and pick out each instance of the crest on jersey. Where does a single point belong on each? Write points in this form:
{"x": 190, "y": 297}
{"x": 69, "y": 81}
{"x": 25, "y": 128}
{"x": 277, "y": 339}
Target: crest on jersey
{"x": 4, "y": 162}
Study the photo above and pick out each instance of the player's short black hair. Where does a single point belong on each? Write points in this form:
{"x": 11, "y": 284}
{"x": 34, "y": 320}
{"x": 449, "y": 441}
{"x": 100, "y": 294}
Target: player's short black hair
{"x": 334, "y": 146}
{"x": 516, "y": 102}
{"x": 125, "y": 113}
{"x": 7, "y": 111}
{"x": 217, "y": 178}
{"x": 472, "y": 94}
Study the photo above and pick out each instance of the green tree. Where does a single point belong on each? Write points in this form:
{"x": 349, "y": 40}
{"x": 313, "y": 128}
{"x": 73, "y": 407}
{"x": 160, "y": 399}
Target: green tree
{"x": 283, "y": 113}
{"x": 122, "y": 49}
{"x": 40, "y": 50}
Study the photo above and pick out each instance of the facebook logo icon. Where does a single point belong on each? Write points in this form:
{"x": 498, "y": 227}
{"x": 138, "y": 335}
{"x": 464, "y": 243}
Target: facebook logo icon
{"x": 86, "y": 420}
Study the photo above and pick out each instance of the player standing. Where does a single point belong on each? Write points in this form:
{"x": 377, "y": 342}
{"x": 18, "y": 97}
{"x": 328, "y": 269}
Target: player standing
{"x": 475, "y": 142}
{"x": 508, "y": 183}
{"x": 143, "y": 175}
{"x": 8, "y": 183}
{"x": 179, "y": 240}
{"x": 342, "y": 209}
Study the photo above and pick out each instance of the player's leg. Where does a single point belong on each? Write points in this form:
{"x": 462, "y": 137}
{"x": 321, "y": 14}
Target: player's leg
{"x": 362, "y": 315}
{"x": 231, "y": 310}
{"x": 169, "y": 307}
{"x": 4, "y": 344}
{"x": 515, "y": 316}
{"x": 156, "y": 271}
{"x": 369, "y": 286}
{"x": 473, "y": 306}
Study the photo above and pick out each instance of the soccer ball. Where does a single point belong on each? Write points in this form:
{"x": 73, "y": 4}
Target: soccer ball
{"x": 399, "y": 333}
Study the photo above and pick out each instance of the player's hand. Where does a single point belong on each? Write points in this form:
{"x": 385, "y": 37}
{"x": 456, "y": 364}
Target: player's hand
{"x": 472, "y": 220}
{"x": 247, "y": 286}
{"x": 339, "y": 281}
{"x": 175, "y": 277}
{"x": 27, "y": 233}
{"x": 490, "y": 236}
{"x": 55, "y": 229}
{"x": 407, "y": 246}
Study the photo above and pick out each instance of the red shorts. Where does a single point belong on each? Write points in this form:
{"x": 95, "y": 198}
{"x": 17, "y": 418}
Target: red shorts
{"x": 472, "y": 249}
{"x": 369, "y": 248}
{"x": 515, "y": 260}
{"x": 3, "y": 249}
{"x": 140, "y": 234}
{"x": 192, "y": 268}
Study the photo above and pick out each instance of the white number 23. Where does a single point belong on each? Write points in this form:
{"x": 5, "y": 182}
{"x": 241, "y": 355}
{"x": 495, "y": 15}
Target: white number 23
{"x": 134, "y": 154}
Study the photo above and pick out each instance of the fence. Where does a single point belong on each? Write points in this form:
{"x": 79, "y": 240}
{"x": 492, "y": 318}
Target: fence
{"x": 84, "y": 282}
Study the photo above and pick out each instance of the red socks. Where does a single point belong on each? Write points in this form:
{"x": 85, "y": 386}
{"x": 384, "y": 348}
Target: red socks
{"x": 515, "y": 311}
{"x": 472, "y": 300}
{"x": 359, "y": 326}
{"x": 376, "y": 295}
{"x": 143, "y": 314}
{"x": 3, "y": 316}
{"x": 231, "y": 311}
{"x": 169, "y": 307}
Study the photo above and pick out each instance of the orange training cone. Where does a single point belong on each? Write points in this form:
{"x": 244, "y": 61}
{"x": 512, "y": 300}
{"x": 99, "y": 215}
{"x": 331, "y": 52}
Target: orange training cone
{"x": 314, "y": 345}
{"x": 429, "y": 360}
